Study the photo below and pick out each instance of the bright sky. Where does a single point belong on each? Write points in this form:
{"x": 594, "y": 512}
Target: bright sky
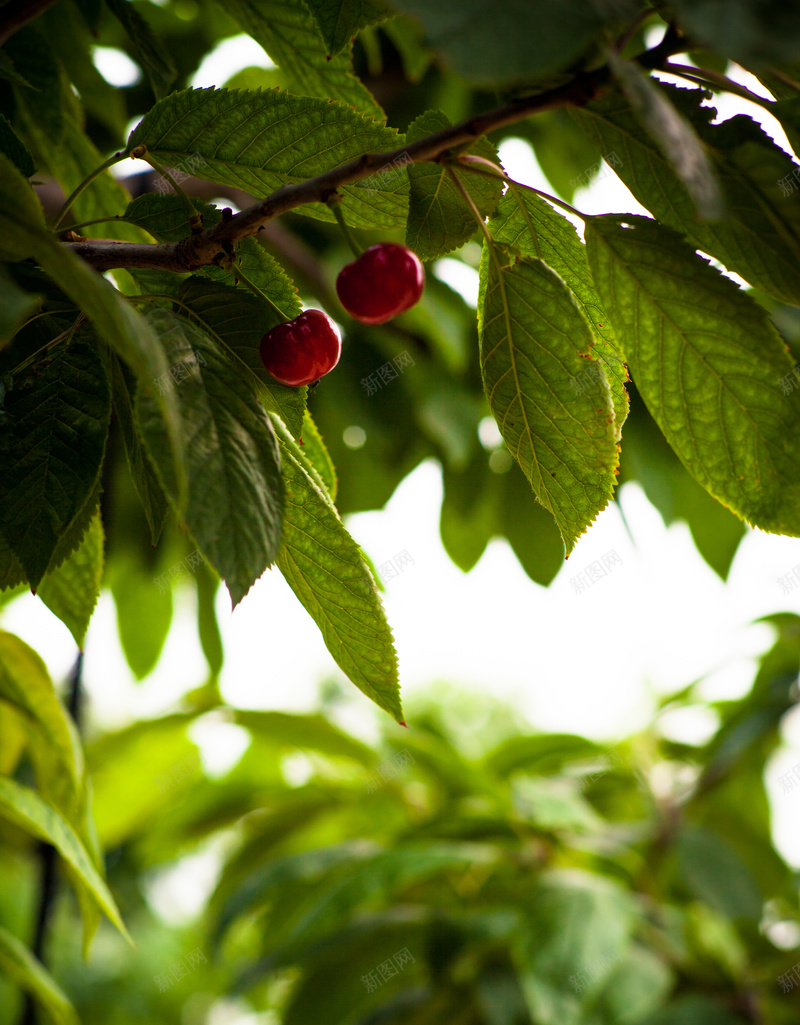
{"x": 592, "y": 663}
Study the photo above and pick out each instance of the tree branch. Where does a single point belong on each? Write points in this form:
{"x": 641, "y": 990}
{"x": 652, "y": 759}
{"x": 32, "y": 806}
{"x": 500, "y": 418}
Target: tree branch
{"x": 15, "y": 14}
{"x": 207, "y": 247}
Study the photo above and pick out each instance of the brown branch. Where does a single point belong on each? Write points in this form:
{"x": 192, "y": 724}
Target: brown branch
{"x": 15, "y": 14}
{"x": 208, "y": 246}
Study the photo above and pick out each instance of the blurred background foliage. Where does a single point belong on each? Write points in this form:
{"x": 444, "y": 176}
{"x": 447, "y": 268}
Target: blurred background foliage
{"x": 467, "y": 870}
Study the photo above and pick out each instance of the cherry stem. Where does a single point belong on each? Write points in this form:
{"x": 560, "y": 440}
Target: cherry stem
{"x": 239, "y": 273}
{"x": 86, "y": 181}
{"x": 334, "y": 204}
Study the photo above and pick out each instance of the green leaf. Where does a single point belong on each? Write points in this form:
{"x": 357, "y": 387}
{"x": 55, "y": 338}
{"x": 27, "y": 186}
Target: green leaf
{"x": 148, "y": 48}
{"x": 543, "y": 754}
{"x": 743, "y": 30}
{"x": 14, "y": 738}
{"x": 526, "y": 222}
{"x": 493, "y": 44}
{"x": 470, "y": 511}
{"x": 261, "y": 140}
{"x": 27, "y": 810}
{"x": 534, "y": 343}
{"x": 573, "y": 919}
{"x": 55, "y": 438}
{"x": 18, "y": 204}
{"x": 288, "y": 32}
{"x": 75, "y": 41}
{"x": 207, "y": 626}
{"x": 530, "y": 529}
{"x": 267, "y": 274}
{"x": 235, "y": 489}
{"x": 340, "y": 20}
{"x": 72, "y": 590}
{"x": 326, "y": 571}
{"x": 144, "y": 613}
{"x": 695, "y": 1009}
{"x": 42, "y": 96}
{"x": 306, "y": 733}
{"x": 787, "y": 111}
{"x": 439, "y": 218}
{"x": 15, "y": 306}
{"x": 22, "y": 232}
{"x": 19, "y": 964}
{"x": 50, "y": 120}
{"x": 137, "y": 773}
{"x": 145, "y": 480}
{"x": 716, "y": 874}
{"x": 12, "y": 576}
{"x": 238, "y": 320}
{"x": 164, "y": 215}
{"x": 647, "y": 458}
{"x": 672, "y": 133}
{"x": 708, "y": 363}
{"x": 15, "y": 149}
{"x": 26, "y": 684}
{"x": 317, "y": 455}
{"x": 759, "y": 236}
{"x": 10, "y": 73}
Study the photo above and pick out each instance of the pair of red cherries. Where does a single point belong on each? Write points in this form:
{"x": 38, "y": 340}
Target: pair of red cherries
{"x": 383, "y": 282}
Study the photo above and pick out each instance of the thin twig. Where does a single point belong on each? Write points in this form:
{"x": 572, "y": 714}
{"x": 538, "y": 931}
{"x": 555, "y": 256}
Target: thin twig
{"x": 703, "y": 76}
{"x": 204, "y": 248}
{"x": 15, "y": 14}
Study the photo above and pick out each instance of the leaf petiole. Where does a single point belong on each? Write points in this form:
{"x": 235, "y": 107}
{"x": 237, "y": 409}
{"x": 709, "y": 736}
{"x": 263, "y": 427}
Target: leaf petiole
{"x": 470, "y": 162}
{"x": 195, "y": 217}
{"x": 115, "y": 159}
{"x": 239, "y": 273}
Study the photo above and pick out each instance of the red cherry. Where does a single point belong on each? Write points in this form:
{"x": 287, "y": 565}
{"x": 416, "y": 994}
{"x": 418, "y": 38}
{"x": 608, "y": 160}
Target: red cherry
{"x": 302, "y": 350}
{"x": 384, "y": 281}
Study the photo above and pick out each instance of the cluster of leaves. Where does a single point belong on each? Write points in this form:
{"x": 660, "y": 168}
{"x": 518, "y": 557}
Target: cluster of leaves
{"x": 504, "y": 862}
{"x": 116, "y": 465}
{"x": 561, "y": 321}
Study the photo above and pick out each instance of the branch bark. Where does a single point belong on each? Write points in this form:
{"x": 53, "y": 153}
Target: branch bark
{"x": 209, "y": 246}
{"x": 15, "y": 14}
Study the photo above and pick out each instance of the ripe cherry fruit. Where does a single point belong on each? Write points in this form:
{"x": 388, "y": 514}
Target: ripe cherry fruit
{"x": 302, "y": 350}
{"x": 383, "y": 282}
